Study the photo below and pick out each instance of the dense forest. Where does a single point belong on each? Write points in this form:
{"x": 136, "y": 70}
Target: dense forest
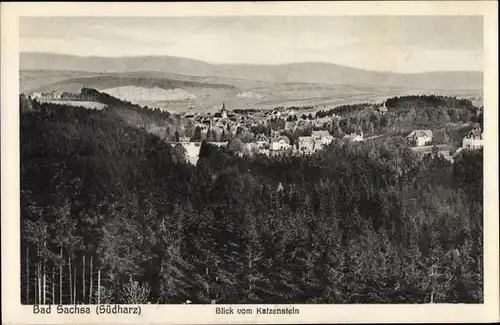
{"x": 112, "y": 214}
{"x": 405, "y": 113}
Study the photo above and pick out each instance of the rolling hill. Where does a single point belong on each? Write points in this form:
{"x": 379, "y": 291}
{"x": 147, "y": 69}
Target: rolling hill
{"x": 177, "y": 84}
{"x": 307, "y": 72}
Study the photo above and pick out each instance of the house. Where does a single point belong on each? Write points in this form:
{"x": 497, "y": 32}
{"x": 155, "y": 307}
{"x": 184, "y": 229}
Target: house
{"x": 419, "y": 138}
{"x": 274, "y": 115}
{"x": 306, "y": 144}
{"x": 234, "y": 128}
{"x": 321, "y": 138}
{"x": 208, "y": 123}
{"x": 219, "y": 127}
{"x": 314, "y": 143}
{"x": 280, "y": 143}
{"x": 203, "y": 128}
{"x": 323, "y": 135}
{"x": 353, "y": 137}
{"x": 262, "y": 141}
{"x": 473, "y": 139}
{"x": 382, "y": 109}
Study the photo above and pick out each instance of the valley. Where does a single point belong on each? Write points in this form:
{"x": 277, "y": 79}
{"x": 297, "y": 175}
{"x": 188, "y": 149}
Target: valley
{"x": 202, "y": 95}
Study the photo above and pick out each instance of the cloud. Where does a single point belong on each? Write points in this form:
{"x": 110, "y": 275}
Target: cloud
{"x": 372, "y": 42}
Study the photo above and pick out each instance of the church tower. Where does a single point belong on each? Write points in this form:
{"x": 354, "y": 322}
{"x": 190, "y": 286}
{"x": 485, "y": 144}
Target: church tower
{"x": 223, "y": 111}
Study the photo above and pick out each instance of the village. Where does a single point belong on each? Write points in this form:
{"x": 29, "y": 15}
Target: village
{"x": 281, "y": 131}
{"x": 265, "y": 132}
{"x": 318, "y": 156}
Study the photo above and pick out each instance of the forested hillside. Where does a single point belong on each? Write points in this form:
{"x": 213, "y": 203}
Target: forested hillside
{"x": 111, "y": 213}
{"x": 405, "y": 113}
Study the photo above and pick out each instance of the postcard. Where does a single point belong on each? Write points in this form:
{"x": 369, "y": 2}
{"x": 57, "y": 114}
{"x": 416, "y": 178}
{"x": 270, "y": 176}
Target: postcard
{"x": 249, "y": 162}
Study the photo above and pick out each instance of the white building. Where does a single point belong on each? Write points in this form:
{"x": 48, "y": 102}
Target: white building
{"x": 473, "y": 139}
{"x": 382, "y": 109}
{"x": 306, "y": 144}
{"x": 280, "y": 143}
{"x": 353, "y": 137}
{"x": 324, "y": 137}
{"x": 262, "y": 141}
{"x": 419, "y": 138}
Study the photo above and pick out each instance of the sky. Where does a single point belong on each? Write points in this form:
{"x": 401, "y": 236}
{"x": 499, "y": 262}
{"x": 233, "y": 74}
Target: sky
{"x": 382, "y": 43}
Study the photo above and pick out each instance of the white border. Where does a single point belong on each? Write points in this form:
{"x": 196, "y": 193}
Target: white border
{"x": 14, "y": 313}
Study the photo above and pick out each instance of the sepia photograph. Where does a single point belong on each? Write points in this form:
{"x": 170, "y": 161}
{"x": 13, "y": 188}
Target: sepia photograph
{"x": 270, "y": 160}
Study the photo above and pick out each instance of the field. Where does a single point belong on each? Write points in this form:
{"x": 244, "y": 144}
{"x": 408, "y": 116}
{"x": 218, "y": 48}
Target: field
{"x": 178, "y": 93}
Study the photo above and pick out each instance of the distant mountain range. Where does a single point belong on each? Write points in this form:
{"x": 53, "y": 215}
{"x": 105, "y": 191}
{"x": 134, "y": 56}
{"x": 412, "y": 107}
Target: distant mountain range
{"x": 307, "y": 72}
